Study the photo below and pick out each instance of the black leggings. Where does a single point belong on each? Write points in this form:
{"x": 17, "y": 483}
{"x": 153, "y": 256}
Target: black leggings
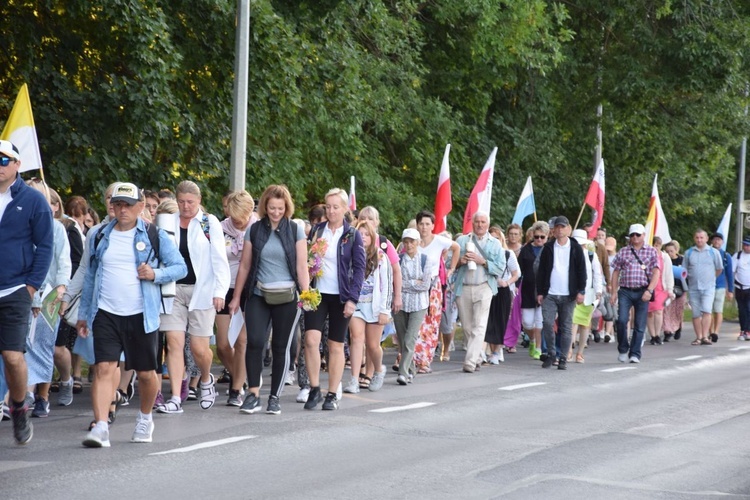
{"x": 283, "y": 318}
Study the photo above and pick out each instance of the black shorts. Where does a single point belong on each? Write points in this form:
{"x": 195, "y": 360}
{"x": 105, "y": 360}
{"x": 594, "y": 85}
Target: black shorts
{"x": 66, "y": 335}
{"x": 331, "y": 307}
{"x": 115, "y": 334}
{"x": 14, "y": 320}
{"x": 228, "y": 299}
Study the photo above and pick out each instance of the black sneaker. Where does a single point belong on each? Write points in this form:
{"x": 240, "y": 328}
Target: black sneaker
{"x": 273, "y": 406}
{"x": 235, "y": 398}
{"x": 657, "y": 340}
{"x": 597, "y": 337}
{"x": 224, "y": 378}
{"x": 251, "y": 404}
{"x": 714, "y": 337}
{"x": 678, "y": 334}
{"x": 22, "y": 428}
{"x": 562, "y": 364}
{"x": 313, "y": 398}
{"x": 331, "y": 403}
{"x": 548, "y": 361}
{"x": 652, "y": 341}
{"x": 667, "y": 336}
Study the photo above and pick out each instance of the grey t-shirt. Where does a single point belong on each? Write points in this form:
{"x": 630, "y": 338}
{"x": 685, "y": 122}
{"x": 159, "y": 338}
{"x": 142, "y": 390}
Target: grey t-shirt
{"x": 273, "y": 267}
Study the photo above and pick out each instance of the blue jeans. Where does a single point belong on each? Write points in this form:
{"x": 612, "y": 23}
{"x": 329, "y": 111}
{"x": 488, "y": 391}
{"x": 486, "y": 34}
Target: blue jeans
{"x": 627, "y": 299}
{"x": 561, "y": 306}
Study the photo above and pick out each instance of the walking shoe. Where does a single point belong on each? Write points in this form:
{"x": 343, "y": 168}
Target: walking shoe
{"x": 5, "y": 411}
{"x": 657, "y": 340}
{"x": 273, "y": 407}
{"x": 377, "y": 379}
{"x": 597, "y": 337}
{"x": 291, "y": 378}
{"x": 634, "y": 359}
{"x": 678, "y": 334}
{"x": 313, "y": 398}
{"x": 352, "y": 387}
{"x": 98, "y": 437}
{"x": 207, "y": 393}
{"x": 667, "y": 337}
{"x": 23, "y": 430}
{"x": 234, "y": 398}
{"x": 144, "y": 430}
{"x": 548, "y": 361}
{"x": 171, "y": 407}
{"x": 537, "y": 354}
{"x": 251, "y": 404}
{"x": 65, "y": 394}
{"x": 501, "y": 356}
{"x": 401, "y": 380}
{"x": 652, "y": 341}
{"x": 41, "y": 408}
{"x": 563, "y": 364}
{"x": 302, "y": 395}
{"x": 532, "y": 348}
{"x": 622, "y": 357}
{"x": 159, "y": 400}
{"x": 331, "y": 403}
{"x": 714, "y": 337}
{"x": 224, "y": 378}
{"x": 122, "y": 398}
{"x": 607, "y": 339}
{"x": 494, "y": 359}
{"x": 130, "y": 391}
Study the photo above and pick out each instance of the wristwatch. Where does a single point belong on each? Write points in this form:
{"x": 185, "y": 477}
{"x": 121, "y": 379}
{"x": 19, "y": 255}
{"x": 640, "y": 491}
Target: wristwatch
{"x": 650, "y": 292}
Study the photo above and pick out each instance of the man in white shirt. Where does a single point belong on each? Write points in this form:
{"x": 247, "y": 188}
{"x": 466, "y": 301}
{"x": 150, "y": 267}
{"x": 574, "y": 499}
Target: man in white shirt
{"x": 741, "y": 268}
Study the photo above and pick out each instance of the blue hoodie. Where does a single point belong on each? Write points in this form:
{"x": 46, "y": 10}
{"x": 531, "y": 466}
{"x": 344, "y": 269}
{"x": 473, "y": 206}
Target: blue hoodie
{"x": 26, "y": 238}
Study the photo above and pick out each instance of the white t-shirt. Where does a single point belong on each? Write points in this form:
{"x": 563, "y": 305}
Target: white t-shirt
{"x": 559, "y": 279}
{"x": 121, "y": 289}
{"x": 434, "y": 252}
{"x": 329, "y": 282}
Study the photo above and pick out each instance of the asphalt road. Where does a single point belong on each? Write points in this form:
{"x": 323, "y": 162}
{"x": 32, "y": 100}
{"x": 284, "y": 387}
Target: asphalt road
{"x": 673, "y": 427}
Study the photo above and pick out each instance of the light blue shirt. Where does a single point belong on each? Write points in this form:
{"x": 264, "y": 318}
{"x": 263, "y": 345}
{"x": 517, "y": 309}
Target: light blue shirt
{"x": 701, "y": 267}
{"x": 495, "y": 261}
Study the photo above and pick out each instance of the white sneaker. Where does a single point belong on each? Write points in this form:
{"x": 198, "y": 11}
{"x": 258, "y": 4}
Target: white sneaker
{"x": 144, "y": 430}
{"x": 634, "y": 359}
{"x": 352, "y": 387}
{"x": 483, "y": 357}
{"x": 377, "y": 379}
{"x": 623, "y": 358}
{"x": 339, "y": 391}
{"x": 98, "y": 437}
{"x": 494, "y": 359}
{"x": 302, "y": 395}
{"x": 291, "y": 378}
{"x": 501, "y": 356}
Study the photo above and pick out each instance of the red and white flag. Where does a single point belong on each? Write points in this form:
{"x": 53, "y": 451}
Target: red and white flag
{"x": 481, "y": 196}
{"x": 595, "y": 199}
{"x": 352, "y": 196}
{"x": 443, "y": 200}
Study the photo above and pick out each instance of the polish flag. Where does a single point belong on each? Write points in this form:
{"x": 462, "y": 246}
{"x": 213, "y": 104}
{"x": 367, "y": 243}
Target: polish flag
{"x": 656, "y": 224}
{"x": 595, "y": 199}
{"x": 443, "y": 200}
{"x": 352, "y": 196}
{"x": 481, "y": 196}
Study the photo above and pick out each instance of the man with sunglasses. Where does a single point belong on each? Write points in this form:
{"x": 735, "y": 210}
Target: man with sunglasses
{"x": 634, "y": 277}
{"x": 26, "y": 247}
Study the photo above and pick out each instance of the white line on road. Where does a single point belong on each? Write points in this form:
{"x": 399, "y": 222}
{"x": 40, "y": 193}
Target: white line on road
{"x": 621, "y": 368}
{"x": 688, "y": 358}
{"x": 740, "y": 348}
{"x": 521, "y": 386}
{"x": 207, "y": 444}
{"x": 391, "y": 409}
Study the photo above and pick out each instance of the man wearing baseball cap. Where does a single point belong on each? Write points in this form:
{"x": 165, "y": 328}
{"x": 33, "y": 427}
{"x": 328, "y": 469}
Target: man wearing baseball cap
{"x": 121, "y": 302}
{"x": 26, "y": 247}
{"x": 634, "y": 277}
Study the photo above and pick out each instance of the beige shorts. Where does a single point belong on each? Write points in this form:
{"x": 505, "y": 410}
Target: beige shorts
{"x": 200, "y": 323}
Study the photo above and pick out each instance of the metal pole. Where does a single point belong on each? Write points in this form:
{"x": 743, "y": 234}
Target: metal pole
{"x": 238, "y": 163}
{"x": 598, "y": 152}
{"x": 741, "y": 186}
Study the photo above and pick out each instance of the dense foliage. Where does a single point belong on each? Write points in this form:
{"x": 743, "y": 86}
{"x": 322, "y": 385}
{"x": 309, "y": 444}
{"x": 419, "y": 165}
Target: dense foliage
{"x": 142, "y": 90}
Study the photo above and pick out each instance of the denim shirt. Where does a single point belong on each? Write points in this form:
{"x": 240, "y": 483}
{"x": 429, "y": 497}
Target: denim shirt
{"x": 173, "y": 269}
{"x": 495, "y": 262}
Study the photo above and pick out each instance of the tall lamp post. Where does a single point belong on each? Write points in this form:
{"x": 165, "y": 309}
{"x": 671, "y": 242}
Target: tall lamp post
{"x": 238, "y": 161}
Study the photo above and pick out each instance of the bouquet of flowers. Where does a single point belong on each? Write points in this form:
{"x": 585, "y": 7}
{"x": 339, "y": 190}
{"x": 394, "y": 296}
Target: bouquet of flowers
{"x": 309, "y": 300}
{"x": 315, "y": 258}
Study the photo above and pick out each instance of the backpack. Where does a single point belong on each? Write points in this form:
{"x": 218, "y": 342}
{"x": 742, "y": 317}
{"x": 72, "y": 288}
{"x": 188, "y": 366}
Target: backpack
{"x": 153, "y": 237}
{"x": 423, "y": 260}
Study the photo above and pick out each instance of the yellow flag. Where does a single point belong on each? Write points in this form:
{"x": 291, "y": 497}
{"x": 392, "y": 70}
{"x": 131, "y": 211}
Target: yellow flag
{"x": 20, "y": 130}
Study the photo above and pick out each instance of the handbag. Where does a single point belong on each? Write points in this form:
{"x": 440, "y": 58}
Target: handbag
{"x": 71, "y": 313}
{"x": 275, "y": 296}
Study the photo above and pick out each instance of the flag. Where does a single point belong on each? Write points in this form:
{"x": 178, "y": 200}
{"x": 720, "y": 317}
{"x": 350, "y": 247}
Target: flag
{"x": 352, "y": 196}
{"x": 724, "y": 226}
{"x": 656, "y": 223}
{"x": 595, "y": 199}
{"x": 443, "y": 199}
{"x": 526, "y": 205}
{"x": 481, "y": 196}
{"x": 20, "y": 130}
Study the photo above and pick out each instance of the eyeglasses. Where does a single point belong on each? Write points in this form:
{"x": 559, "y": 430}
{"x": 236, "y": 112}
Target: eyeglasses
{"x": 5, "y": 161}
{"x": 540, "y": 236}
{"x": 633, "y": 235}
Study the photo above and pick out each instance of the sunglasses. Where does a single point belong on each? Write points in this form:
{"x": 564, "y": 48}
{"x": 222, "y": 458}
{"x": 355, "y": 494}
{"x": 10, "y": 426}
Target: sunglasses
{"x": 633, "y": 235}
{"x": 539, "y": 237}
{"x": 5, "y": 161}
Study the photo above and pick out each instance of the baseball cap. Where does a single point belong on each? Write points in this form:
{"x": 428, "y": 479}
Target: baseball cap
{"x": 126, "y": 192}
{"x": 746, "y": 240}
{"x": 717, "y": 235}
{"x": 410, "y": 233}
{"x": 610, "y": 243}
{"x": 561, "y": 220}
{"x": 10, "y": 150}
{"x": 637, "y": 229}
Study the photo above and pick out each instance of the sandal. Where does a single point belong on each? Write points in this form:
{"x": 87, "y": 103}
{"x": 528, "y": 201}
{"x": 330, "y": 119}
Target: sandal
{"x": 706, "y": 342}
{"x": 396, "y": 363}
{"x": 424, "y": 370}
{"x": 364, "y": 382}
{"x": 579, "y": 358}
{"x": 695, "y": 342}
{"x": 55, "y": 386}
{"x": 511, "y": 350}
{"x": 77, "y": 385}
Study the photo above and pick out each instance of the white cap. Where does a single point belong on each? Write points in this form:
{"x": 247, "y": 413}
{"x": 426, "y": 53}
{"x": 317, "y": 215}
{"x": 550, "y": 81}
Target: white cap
{"x": 637, "y": 228}
{"x": 10, "y": 150}
{"x": 410, "y": 233}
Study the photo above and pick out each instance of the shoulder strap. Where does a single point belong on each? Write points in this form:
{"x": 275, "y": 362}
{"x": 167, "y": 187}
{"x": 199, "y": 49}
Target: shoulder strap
{"x": 153, "y": 236}
{"x": 206, "y": 226}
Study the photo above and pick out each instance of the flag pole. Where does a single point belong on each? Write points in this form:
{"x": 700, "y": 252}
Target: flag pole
{"x": 534, "y": 215}
{"x": 579, "y": 215}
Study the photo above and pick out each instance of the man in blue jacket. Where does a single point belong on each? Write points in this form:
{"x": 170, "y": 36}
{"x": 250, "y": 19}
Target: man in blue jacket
{"x": 724, "y": 287}
{"x": 26, "y": 247}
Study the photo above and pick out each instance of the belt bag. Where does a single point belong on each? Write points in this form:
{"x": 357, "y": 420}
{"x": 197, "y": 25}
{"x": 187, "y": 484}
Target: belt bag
{"x": 276, "y": 296}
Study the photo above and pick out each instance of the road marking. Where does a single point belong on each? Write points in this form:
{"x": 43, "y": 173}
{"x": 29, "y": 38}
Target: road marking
{"x": 621, "y": 368}
{"x": 391, "y": 409}
{"x": 740, "y": 348}
{"x": 521, "y": 386}
{"x": 207, "y": 444}
{"x": 688, "y": 358}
